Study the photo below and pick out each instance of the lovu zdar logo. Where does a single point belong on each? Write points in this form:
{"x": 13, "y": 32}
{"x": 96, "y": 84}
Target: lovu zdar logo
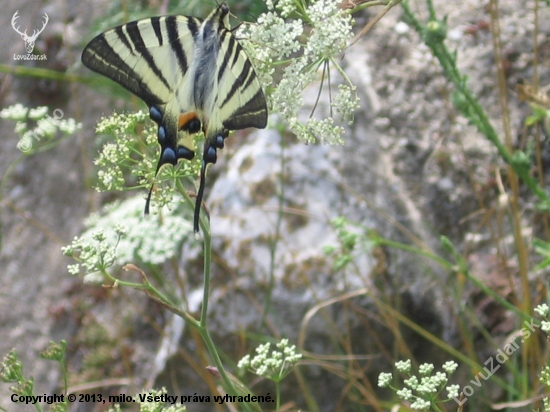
{"x": 29, "y": 40}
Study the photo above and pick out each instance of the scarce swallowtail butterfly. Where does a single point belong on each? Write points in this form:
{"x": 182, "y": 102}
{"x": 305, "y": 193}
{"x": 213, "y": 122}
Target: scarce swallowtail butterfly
{"x": 194, "y": 76}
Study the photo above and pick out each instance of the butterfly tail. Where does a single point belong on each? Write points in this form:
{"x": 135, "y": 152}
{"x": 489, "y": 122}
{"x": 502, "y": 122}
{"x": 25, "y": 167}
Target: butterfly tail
{"x": 200, "y": 194}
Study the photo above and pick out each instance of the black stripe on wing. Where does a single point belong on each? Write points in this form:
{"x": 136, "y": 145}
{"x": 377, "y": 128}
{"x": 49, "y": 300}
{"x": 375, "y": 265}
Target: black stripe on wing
{"x": 223, "y": 66}
{"x": 100, "y": 57}
{"x": 240, "y": 99}
{"x": 125, "y": 56}
{"x": 155, "y": 23}
{"x": 134, "y": 34}
{"x": 252, "y": 114}
{"x": 237, "y": 86}
{"x": 174, "y": 38}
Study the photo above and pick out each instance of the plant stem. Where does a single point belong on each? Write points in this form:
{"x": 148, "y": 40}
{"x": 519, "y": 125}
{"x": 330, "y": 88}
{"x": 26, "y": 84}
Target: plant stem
{"x": 201, "y": 326}
{"x": 474, "y": 112}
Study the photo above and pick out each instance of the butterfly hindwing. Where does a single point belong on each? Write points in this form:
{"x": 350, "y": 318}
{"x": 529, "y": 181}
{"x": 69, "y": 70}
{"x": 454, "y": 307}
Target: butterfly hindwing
{"x": 238, "y": 100}
{"x": 240, "y": 97}
{"x": 194, "y": 76}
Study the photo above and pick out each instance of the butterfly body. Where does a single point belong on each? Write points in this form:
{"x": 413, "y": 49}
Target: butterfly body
{"x": 194, "y": 76}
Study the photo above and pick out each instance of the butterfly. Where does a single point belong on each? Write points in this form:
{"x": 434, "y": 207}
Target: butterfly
{"x": 193, "y": 75}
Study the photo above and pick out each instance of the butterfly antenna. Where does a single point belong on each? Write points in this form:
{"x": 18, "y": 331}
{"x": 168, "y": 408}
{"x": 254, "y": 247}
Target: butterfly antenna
{"x": 200, "y": 194}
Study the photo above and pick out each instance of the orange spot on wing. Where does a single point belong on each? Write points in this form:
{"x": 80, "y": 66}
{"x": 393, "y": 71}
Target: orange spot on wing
{"x": 185, "y": 118}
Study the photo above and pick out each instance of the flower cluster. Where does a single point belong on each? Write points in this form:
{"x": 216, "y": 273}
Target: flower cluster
{"x": 427, "y": 386}
{"x": 35, "y": 126}
{"x": 94, "y": 253}
{"x": 277, "y": 41}
{"x": 125, "y": 157}
{"x": 274, "y": 366}
{"x": 543, "y": 310}
{"x": 97, "y": 250}
{"x": 11, "y": 371}
{"x": 116, "y": 156}
{"x": 11, "y": 368}
{"x": 120, "y": 123}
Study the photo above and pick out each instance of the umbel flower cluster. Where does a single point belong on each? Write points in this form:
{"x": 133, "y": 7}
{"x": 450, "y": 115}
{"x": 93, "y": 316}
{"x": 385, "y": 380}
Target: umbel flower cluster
{"x": 125, "y": 156}
{"x": 99, "y": 249}
{"x": 421, "y": 392}
{"x": 35, "y": 127}
{"x": 275, "y": 365}
{"x": 300, "y": 41}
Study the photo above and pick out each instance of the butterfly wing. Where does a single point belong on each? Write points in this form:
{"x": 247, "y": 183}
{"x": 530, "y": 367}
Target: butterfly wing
{"x": 151, "y": 58}
{"x": 232, "y": 96}
{"x": 240, "y": 102}
{"x": 193, "y": 75}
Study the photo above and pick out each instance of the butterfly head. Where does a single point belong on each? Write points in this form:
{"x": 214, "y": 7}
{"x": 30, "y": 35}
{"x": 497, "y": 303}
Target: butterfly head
{"x": 221, "y": 14}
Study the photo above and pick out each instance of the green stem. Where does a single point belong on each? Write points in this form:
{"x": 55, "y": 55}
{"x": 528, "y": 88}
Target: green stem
{"x": 435, "y": 408}
{"x": 275, "y": 240}
{"x": 398, "y": 245}
{"x": 201, "y": 326}
{"x": 48, "y": 74}
{"x": 278, "y": 395}
{"x": 474, "y": 111}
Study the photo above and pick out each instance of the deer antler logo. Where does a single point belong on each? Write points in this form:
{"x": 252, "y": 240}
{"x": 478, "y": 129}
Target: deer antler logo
{"x": 29, "y": 40}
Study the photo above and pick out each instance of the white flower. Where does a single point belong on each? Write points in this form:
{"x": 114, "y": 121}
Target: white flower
{"x": 439, "y": 378}
{"x": 46, "y": 127}
{"x": 332, "y": 29}
{"x": 346, "y": 101}
{"x": 450, "y": 367}
{"x": 274, "y": 366}
{"x": 244, "y": 362}
{"x": 452, "y": 391}
{"x": 412, "y": 382}
{"x": 325, "y": 131}
{"x": 425, "y": 368}
{"x": 15, "y": 112}
{"x": 420, "y": 404}
{"x": 427, "y": 386}
{"x": 38, "y": 112}
{"x": 542, "y": 310}
{"x": 405, "y": 394}
{"x": 20, "y": 127}
{"x": 69, "y": 126}
{"x": 287, "y": 7}
{"x": 98, "y": 249}
{"x": 276, "y": 41}
{"x": 384, "y": 379}
{"x": 403, "y": 366}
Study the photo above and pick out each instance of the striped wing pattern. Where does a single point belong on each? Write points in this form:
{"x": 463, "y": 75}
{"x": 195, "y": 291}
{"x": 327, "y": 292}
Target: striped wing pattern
{"x": 192, "y": 73}
{"x": 150, "y": 58}
{"x": 242, "y": 101}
